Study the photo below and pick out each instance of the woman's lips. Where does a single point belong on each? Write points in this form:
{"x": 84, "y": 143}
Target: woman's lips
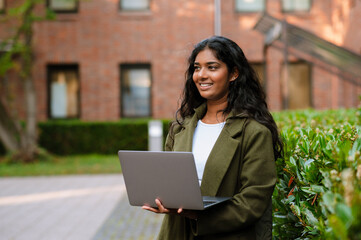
{"x": 205, "y": 86}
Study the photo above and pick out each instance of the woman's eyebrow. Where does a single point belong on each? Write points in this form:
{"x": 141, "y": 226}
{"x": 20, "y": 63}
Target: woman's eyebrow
{"x": 208, "y": 63}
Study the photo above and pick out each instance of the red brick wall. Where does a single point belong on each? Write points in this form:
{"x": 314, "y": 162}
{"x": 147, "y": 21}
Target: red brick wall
{"x": 99, "y": 38}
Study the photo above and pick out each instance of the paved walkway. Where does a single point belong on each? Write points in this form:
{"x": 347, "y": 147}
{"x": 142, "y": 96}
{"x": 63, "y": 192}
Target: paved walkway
{"x": 71, "y": 207}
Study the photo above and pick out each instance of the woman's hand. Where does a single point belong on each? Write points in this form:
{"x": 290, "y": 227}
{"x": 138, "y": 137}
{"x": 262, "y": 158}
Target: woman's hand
{"x": 180, "y": 211}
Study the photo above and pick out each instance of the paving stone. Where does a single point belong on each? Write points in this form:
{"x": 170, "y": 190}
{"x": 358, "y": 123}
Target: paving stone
{"x": 128, "y": 223}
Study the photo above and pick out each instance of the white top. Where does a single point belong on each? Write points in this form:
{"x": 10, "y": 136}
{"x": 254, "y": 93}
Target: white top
{"x": 204, "y": 138}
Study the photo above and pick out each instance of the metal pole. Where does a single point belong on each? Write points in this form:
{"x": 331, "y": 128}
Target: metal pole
{"x": 265, "y": 48}
{"x": 286, "y": 67}
{"x": 217, "y": 17}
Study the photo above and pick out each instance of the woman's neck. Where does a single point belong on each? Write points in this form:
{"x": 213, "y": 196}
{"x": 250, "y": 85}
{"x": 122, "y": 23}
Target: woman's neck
{"x": 215, "y": 113}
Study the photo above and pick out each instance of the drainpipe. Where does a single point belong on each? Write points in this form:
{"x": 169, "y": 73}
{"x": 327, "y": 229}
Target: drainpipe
{"x": 217, "y": 17}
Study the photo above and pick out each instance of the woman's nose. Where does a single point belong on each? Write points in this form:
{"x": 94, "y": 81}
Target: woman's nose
{"x": 202, "y": 73}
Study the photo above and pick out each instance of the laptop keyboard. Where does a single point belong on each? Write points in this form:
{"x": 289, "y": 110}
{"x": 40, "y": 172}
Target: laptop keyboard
{"x": 207, "y": 203}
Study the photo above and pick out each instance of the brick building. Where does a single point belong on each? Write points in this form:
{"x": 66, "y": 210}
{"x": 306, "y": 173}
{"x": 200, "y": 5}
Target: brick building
{"x": 108, "y": 59}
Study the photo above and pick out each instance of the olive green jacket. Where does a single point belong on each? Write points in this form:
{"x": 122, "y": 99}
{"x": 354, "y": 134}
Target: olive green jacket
{"x": 241, "y": 165}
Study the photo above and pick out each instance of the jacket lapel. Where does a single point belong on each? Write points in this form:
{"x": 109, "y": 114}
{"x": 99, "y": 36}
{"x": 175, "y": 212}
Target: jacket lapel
{"x": 221, "y": 157}
{"x": 218, "y": 162}
{"x": 222, "y": 153}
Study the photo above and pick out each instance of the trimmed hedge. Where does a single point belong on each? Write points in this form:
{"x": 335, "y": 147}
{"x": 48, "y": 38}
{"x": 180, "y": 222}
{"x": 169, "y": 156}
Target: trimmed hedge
{"x": 77, "y": 137}
{"x": 68, "y": 137}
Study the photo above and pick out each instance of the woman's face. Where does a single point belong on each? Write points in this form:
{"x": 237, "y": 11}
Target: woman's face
{"x": 211, "y": 77}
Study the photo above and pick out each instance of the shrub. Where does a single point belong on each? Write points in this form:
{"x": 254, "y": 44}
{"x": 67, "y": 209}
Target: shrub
{"x": 317, "y": 195}
{"x": 77, "y": 137}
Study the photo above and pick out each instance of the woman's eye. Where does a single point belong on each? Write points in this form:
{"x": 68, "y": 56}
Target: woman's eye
{"x": 212, "y": 67}
{"x": 196, "y": 67}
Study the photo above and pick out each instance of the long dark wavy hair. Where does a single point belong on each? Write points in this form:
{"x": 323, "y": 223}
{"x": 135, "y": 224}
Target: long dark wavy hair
{"x": 245, "y": 95}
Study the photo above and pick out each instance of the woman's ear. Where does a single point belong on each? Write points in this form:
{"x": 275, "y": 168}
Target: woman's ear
{"x": 234, "y": 75}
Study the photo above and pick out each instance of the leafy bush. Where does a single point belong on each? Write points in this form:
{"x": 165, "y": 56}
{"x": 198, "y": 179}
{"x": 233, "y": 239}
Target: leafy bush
{"x": 318, "y": 193}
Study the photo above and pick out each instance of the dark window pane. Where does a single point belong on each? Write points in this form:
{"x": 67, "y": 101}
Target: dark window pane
{"x": 258, "y": 68}
{"x": 136, "y": 83}
{"x": 2, "y": 6}
{"x": 299, "y": 85}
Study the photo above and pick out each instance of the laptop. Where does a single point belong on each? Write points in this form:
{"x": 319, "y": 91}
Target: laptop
{"x": 168, "y": 176}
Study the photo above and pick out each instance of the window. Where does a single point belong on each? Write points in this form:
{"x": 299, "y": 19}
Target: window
{"x": 299, "y": 85}
{"x": 63, "y": 6}
{"x": 2, "y": 6}
{"x": 258, "y": 68}
{"x": 134, "y": 5}
{"x": 63, "y": 88}
{"x": 135, "y": 90}
{"x": 296, "y": 5}
{"x": 250, "y": 5}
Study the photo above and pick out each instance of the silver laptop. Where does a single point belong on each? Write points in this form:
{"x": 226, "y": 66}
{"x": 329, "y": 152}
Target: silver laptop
{"x": 169, "y": 176}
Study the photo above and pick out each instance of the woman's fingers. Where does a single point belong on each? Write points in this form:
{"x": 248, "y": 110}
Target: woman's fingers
{"x": 145, "y": 207}
{"x": 161, "y": 208}
{"x": 180, "y": 211}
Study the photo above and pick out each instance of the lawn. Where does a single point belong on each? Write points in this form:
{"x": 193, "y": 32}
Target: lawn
{"x": 77, "y": 164}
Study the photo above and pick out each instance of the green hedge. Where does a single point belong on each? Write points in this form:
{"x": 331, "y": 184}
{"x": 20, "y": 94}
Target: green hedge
{"x": 77, "y": 137}
{"x": 64, "y": 137}
{"x": 318, "y": 193}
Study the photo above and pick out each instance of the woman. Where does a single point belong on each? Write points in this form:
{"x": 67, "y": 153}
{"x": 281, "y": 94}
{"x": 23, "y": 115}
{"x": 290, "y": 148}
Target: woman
{"x": 225, "y": 122}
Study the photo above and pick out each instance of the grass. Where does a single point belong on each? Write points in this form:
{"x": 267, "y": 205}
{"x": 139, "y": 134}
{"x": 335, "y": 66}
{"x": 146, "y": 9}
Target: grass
{"x": 77, "y": 164}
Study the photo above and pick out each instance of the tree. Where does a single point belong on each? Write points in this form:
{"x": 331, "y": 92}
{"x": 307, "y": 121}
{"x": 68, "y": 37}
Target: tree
{"x": 20, "y": 140}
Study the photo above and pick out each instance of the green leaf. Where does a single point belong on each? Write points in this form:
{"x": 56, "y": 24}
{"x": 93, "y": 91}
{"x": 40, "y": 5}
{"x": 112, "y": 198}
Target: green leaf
{"x": 317, "y": 188}
{"x": 310, "y": 217}
{"x": 344, "y": 213}
{"x": 338, "y": 228}
{"x": 329, "y": 200}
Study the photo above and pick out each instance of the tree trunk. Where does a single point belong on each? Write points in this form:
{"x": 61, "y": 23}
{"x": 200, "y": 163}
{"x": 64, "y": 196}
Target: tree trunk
{"x": 9, "y": 133}
{"x": 28, "y": 146}
{"x": 22, "y": 141}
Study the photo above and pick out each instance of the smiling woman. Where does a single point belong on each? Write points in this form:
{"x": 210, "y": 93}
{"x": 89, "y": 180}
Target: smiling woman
{"x": 212, "y": 79}
{"x": 224, "y": 121}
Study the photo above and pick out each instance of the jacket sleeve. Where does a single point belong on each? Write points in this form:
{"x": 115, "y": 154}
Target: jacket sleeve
{"x": 257, "y": 178}
{"x": 169, "y": 141}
